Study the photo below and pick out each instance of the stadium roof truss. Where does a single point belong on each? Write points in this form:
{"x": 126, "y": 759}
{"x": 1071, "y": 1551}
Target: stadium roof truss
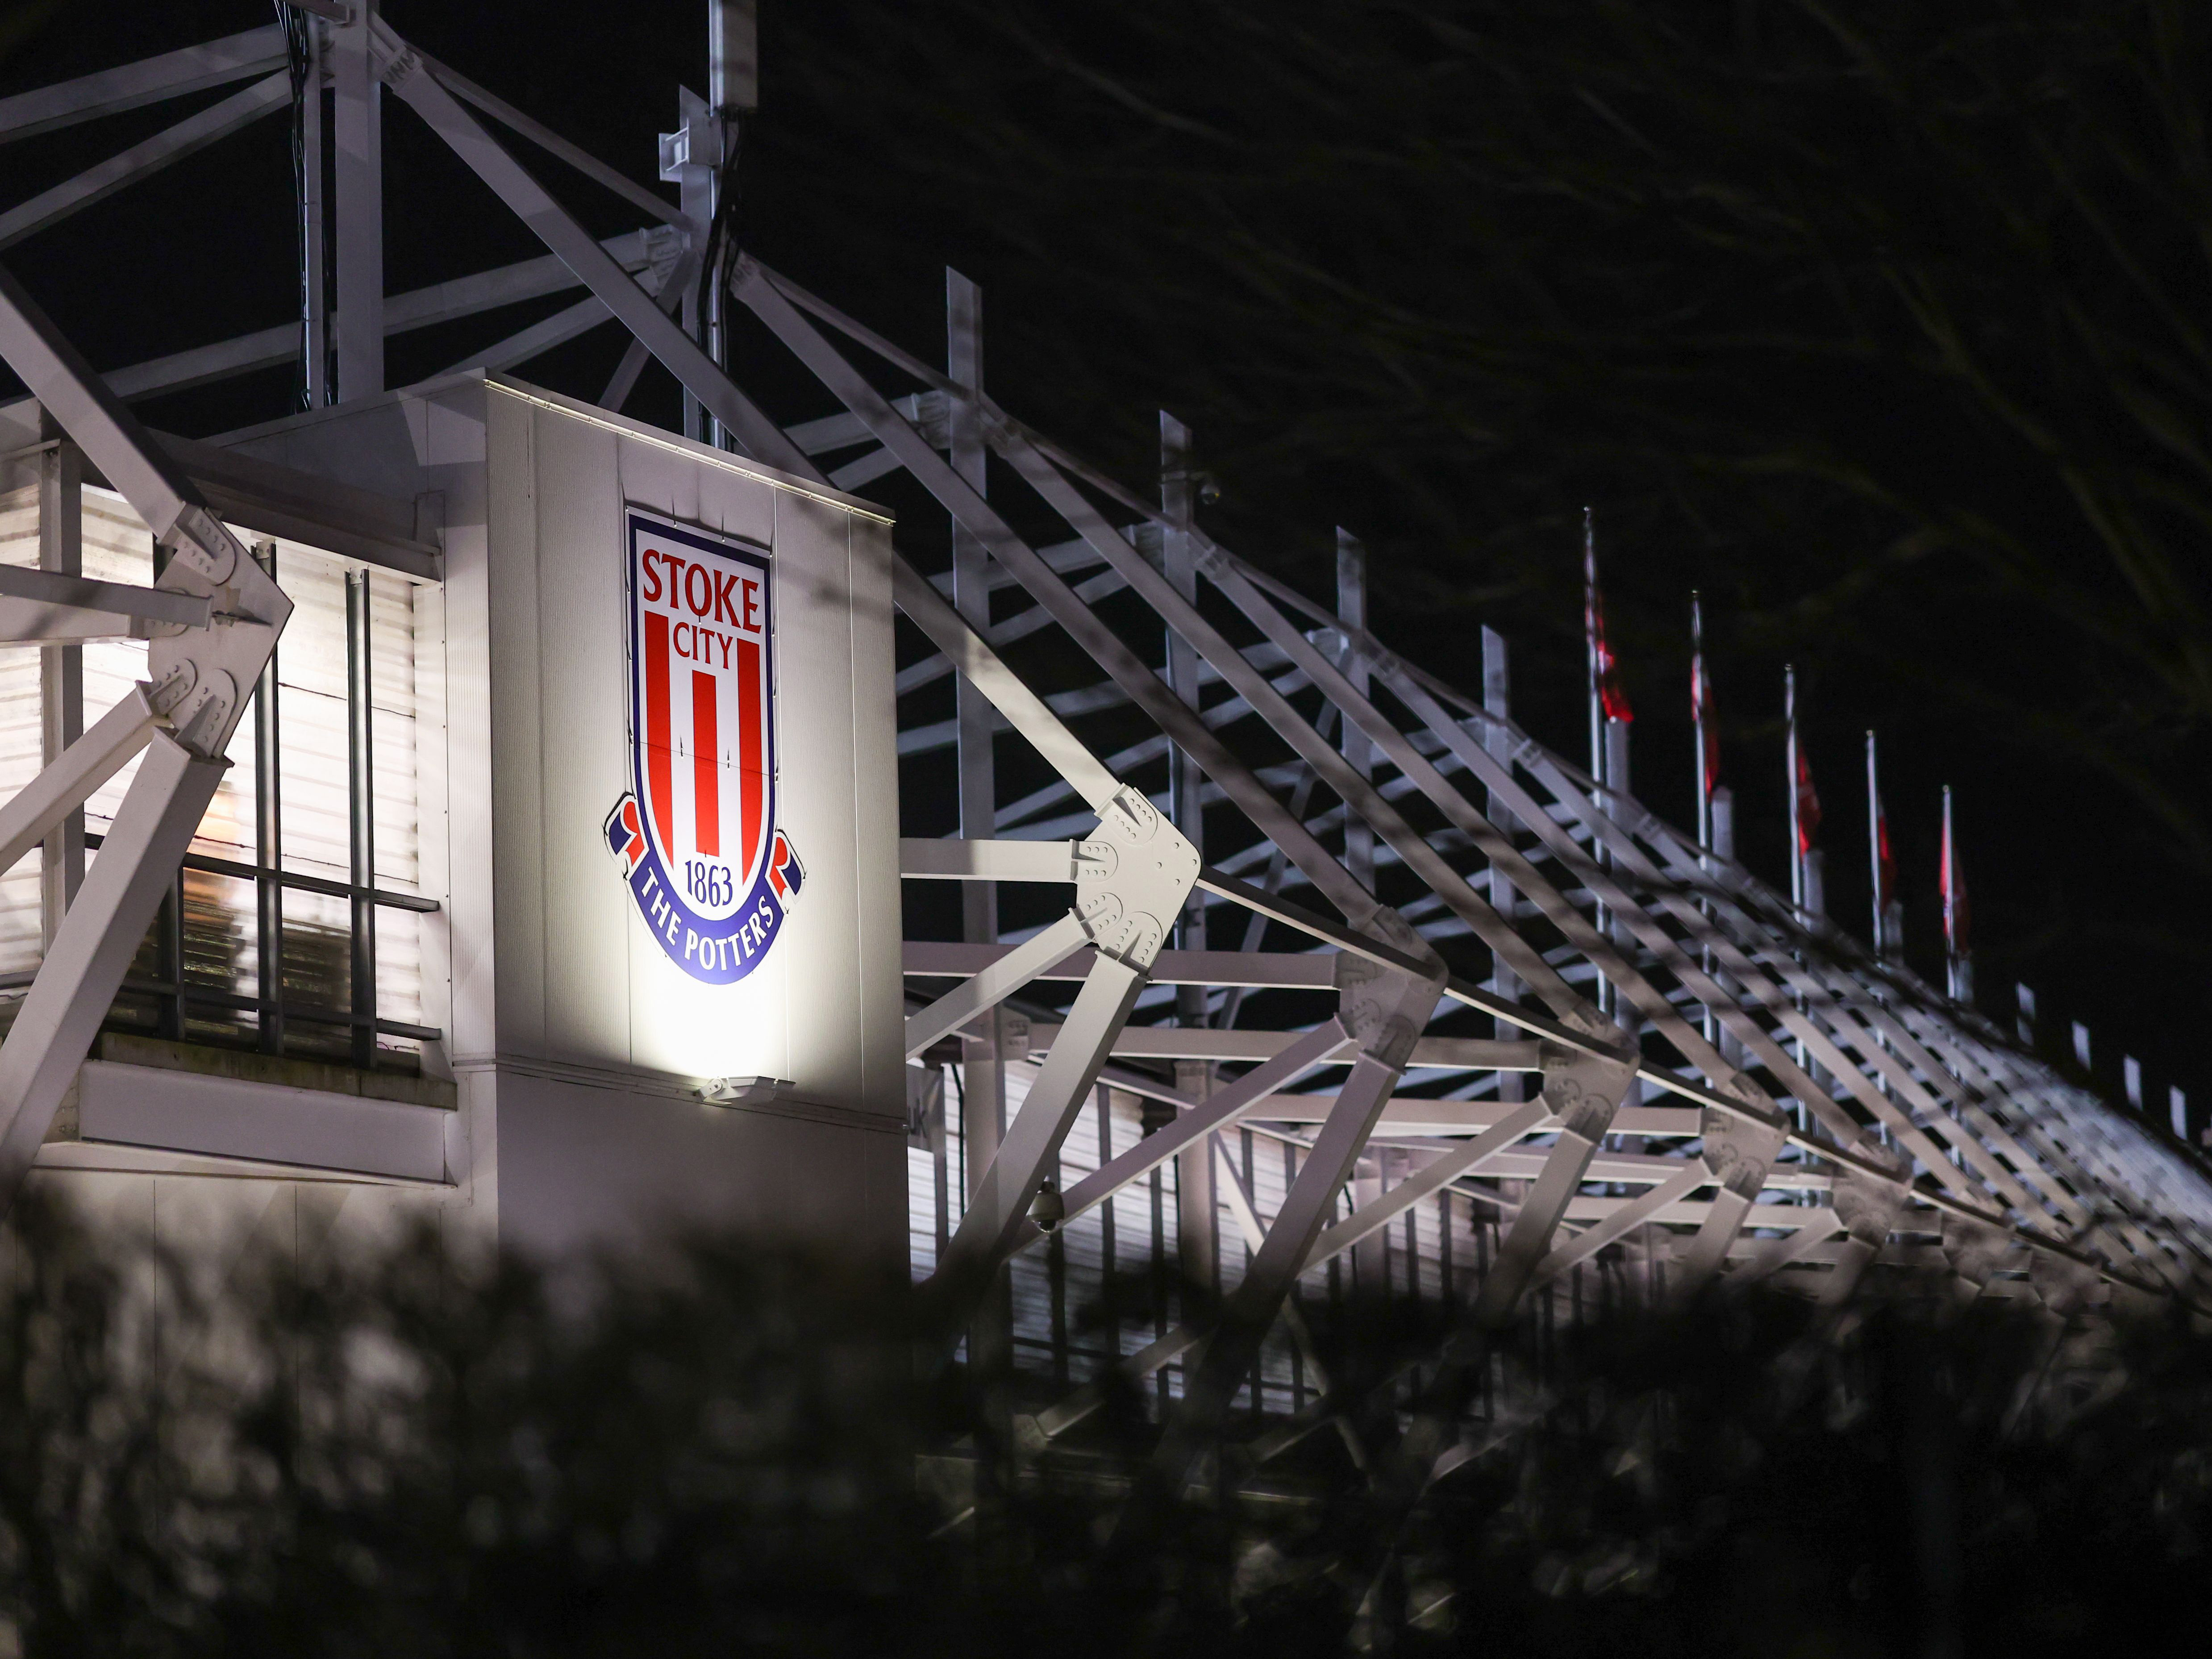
{"x": 1259, "y": 808}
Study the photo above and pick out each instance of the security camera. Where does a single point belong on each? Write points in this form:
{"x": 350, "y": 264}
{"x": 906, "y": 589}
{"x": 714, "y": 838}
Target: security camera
{"x": 1047, "y": 1209}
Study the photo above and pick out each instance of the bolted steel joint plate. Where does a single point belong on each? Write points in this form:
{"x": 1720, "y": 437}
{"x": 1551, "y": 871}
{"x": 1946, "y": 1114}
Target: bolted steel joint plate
{"x": 1384, "y": 1007}
{"x": 1738, "y": 1151}
{"x": 202, "y": 676}
{"x": 1132, "y": 875}
{"x": 1582, "y": 1090}
{"x": 1868, "y": 1205}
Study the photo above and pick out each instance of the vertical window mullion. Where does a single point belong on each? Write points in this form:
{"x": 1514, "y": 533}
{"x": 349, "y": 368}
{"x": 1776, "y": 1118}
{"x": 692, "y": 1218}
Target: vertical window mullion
{"x": 170, "y": 928}
{"x": 173, "y": 957}
{"x": 269, "y": 843}
{"x": 361, "y": 805}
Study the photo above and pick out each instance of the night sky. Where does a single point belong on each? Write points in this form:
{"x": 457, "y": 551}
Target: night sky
{"x": 1892, "y": 346}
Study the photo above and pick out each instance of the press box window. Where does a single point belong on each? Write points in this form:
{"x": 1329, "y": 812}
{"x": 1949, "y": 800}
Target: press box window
{"x": 294, "y": 926}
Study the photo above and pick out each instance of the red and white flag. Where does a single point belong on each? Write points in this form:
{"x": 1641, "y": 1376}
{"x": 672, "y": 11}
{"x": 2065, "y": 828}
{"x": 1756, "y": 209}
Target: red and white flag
{"x": 1956, "y": 938}
{"x": 1885, "y": 860}
{"x": 1808, "y": 806}
{"x": 1701, "y": 707}
{"x": 1804, "y": 799}
{"x": 1605, "y": 677}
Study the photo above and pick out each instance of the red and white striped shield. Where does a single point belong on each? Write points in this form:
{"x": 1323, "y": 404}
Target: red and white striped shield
{"x": 696, "y": 834}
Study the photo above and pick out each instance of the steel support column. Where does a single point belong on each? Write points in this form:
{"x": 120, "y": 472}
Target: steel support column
{"x": 61, "y": 677}
{"x": 1385, "y": 1009}
{"x": 1198, "y": 1209}
{"x": 357, "y": 145}
{"x": 136, "y": 866}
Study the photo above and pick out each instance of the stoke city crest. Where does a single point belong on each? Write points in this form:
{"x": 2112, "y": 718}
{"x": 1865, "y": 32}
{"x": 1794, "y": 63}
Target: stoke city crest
{"x": 695, "y": 834}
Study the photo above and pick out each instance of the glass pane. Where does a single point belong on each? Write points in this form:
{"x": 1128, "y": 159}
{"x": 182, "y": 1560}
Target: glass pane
{"x": 220, "y": 923}
{"x": 116, "y": 549}
{"x": 317, "y": 827}
{"x": 317, "y": 974}
{"x": 311, "y": 671}
{"x": 398, "y": 965}
{"x": 392, "y": 701}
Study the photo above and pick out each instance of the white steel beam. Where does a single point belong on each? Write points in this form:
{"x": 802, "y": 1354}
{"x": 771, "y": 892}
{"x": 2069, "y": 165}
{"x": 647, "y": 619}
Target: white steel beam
{"x": 311, "y": 138}
{"x": 357, "y": 203}
{"x": 1384, "y": 1008}
{"x": 1126, "y": 910}
{"x": 110, "y": 435}
{"x": 976, "y": 515}
{"x": 201, "y": 676}
{"x": 1740, "y": 1157}
{"x": 1532, "y": 1117}
{"x": 761, "y": 438}
{"x": 1770, "y": 1256}
{"x": 1261, "y": 969}
{"x": 1336, "y": 684}
{"x": 554, "y": 144}
{"x": 1002, "y": 1198}
{"x": 1630, "y": 914}
{"x": 1582, "y": 1094}
{"x": 417, "y": 309}
{"x": 995, "y": 984}
{"x": 952, "y": 858}
{"x": 1057, "y": 1419}
{"x": 83, "y": 971}
{"x": 1644, "y": 1207}
{"x": 1241, "y": 1044}
{"x": 45, "y": 604}
{"x": 519, "y": 347}
{"x": 1026, "y": 711}
{"x": 1287, "y": 723}
{"x": 1566, "y": 1033}
{"x": 682, "y": 283}
{"x": 1254, "y": 1234}
{"x": 63, "y": 785}
{"x": 150, "y": 155}
{"x": 149, "y": 81}
{"x": 1220, "y": 1110}
{"x": 61, "y": 677}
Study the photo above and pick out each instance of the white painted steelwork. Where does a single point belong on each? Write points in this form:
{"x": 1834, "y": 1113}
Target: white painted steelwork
{"x": 1433, "y": 906}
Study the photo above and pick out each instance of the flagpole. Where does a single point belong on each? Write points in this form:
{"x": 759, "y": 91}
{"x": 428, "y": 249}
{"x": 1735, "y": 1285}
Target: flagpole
{"x": 1874, "y": 847}
{"x": 1789, "y": 770}
{"x": 1595, "y": 649}
{"x": 1700, "y": 696}
{"x": 1950, "y": 920}
{"x": 1592, "y": 650}
{"x": 1957, "y": 957}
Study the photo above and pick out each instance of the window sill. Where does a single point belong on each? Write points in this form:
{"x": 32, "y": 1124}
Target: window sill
{"x": 285, "y": 1130}
{"x": 322, "y": 1077}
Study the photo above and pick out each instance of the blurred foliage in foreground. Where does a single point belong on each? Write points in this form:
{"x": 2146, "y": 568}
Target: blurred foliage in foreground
{"x": 396, "y": 1456}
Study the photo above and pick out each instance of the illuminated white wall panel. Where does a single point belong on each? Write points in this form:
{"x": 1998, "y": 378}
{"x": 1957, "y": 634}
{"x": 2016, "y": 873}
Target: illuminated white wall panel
{"x": 578, "y": 1048}
{"x": 588, "y": 983}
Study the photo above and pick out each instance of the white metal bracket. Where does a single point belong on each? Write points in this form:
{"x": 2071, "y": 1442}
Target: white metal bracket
{"x": 1132, "y": 876}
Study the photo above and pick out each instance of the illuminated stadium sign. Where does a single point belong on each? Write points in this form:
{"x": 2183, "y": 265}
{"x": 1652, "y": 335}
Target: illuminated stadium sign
{"x": 695, "y": 834}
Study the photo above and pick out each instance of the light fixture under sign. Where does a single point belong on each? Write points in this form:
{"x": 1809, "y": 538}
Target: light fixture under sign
{"x": 743, "y": 1090}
